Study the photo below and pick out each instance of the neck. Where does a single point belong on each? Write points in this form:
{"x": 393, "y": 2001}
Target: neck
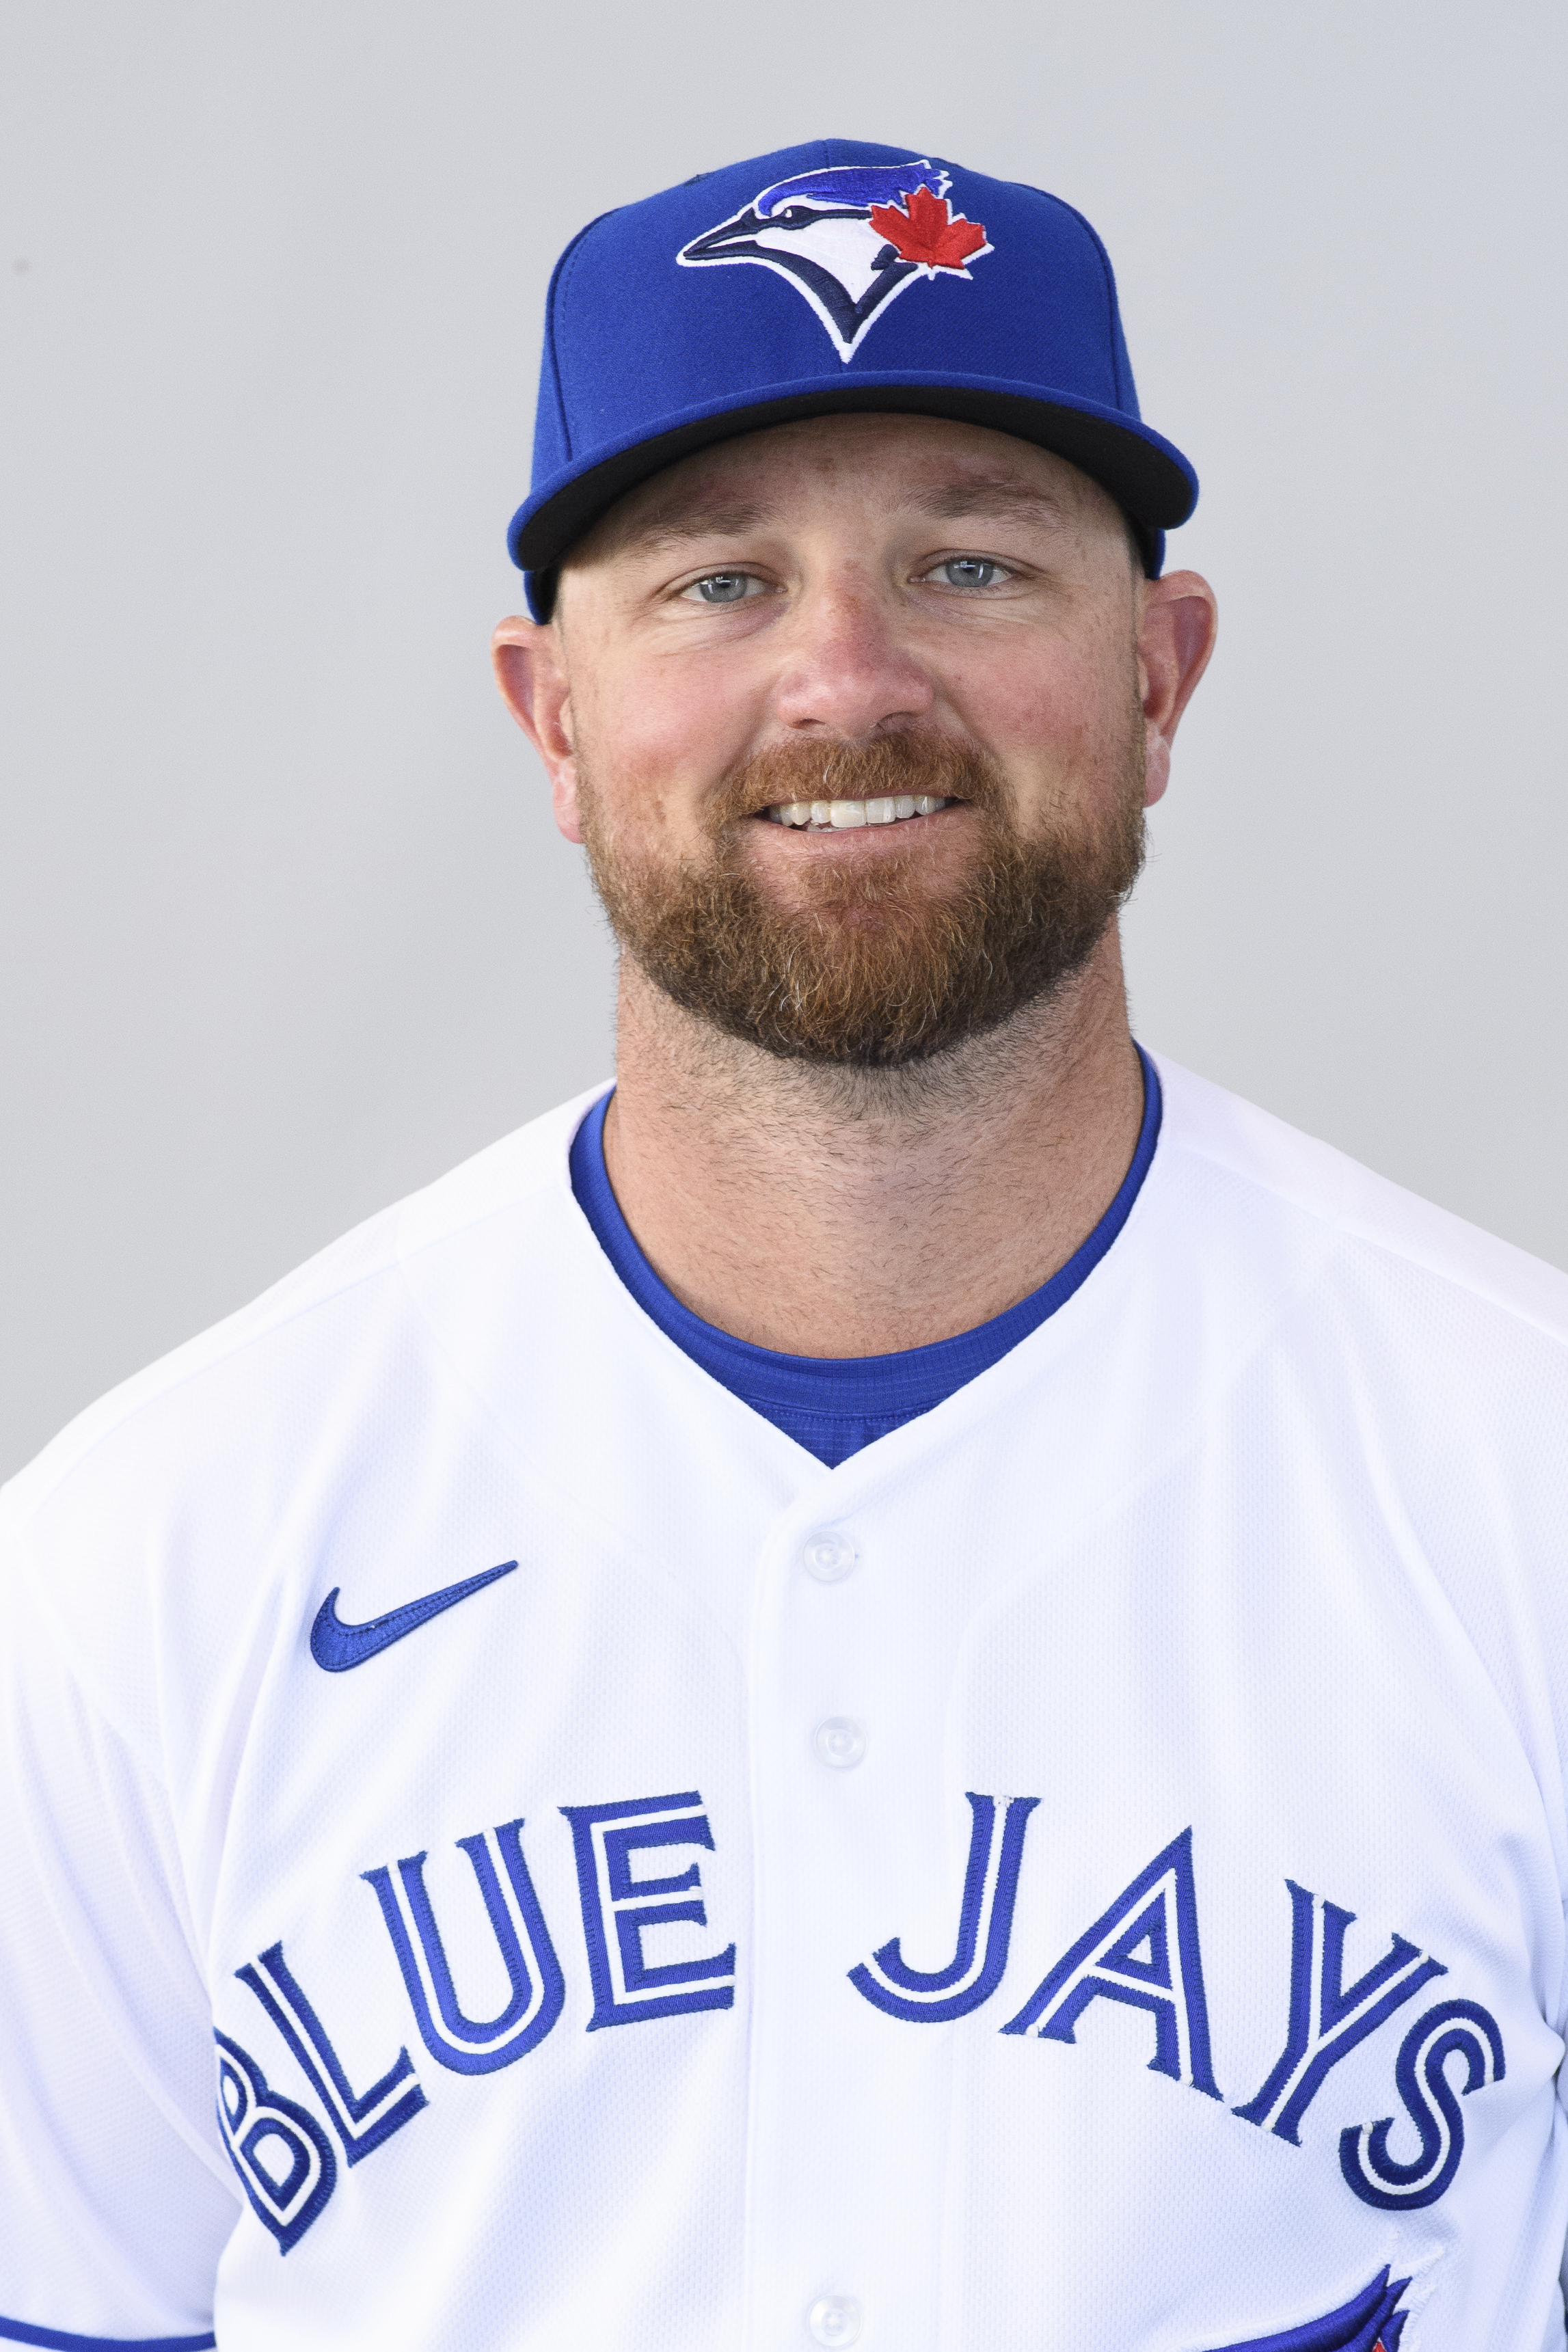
{"x": 843, "y": 1212}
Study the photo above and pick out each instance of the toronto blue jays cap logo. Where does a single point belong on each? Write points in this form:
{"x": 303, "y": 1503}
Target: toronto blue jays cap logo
{"x": 848, "y": 238}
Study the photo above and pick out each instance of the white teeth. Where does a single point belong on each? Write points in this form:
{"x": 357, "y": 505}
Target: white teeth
{"x": 845, "y": 817}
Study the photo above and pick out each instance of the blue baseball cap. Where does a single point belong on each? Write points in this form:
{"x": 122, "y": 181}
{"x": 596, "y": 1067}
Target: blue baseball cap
{"x": 826, "y": 277}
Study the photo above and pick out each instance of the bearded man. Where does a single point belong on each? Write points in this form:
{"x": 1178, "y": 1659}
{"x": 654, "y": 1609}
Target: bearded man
{"x": 999, "y": 1609}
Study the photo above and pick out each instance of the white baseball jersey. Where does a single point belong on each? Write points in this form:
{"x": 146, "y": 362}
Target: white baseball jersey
{"x": 501, "y": 1849}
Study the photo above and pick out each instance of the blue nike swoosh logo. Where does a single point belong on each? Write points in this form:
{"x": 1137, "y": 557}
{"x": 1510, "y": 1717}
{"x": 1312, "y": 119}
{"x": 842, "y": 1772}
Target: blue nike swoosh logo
{"x": 337, "y": 1646}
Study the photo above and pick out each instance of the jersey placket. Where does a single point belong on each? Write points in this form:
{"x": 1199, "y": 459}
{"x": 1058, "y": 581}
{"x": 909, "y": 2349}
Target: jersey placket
{"x": 849, "y": 2110}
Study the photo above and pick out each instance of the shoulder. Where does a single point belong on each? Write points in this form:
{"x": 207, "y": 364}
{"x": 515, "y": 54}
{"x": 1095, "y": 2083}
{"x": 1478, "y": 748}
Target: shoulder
{"x": 1382, "y": 1237}
{"x": 1416, "y": 1363}
{"x": 177, "y": 1489}
{"x": 346, "y": 1289}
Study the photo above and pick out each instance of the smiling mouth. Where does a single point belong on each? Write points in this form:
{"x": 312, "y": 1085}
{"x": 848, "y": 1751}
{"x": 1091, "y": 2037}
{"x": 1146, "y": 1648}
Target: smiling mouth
{"x": 845, "y": 817}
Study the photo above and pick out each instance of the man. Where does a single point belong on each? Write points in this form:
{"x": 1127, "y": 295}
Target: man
{"x": 904, "y": 1684}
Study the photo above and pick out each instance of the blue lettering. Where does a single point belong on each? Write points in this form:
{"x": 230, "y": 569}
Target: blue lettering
{"x": 362, "y": 2120}
{"x": 1142, "y": 1951}
{"x": 984, "y": 1926}
{"x": 536, "y": 1987}
{"x": 1453, "y": 2028}
{"x": 282, "y": 2156}
{"x": 1328, "y": 2019}
{"x": 627, "y": 1988}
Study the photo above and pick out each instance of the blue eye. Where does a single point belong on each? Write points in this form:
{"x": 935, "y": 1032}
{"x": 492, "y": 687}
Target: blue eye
{"x": 969, "y": 571}
{"x": 724, "y": 587}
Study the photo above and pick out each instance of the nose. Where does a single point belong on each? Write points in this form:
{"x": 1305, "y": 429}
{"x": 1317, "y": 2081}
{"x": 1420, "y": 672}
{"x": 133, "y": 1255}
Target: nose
{"x": 847, "y": 670}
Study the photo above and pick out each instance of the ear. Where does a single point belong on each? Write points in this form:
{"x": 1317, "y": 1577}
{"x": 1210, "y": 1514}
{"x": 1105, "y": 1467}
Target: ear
{"x": 1176, "y": 632}
{"x": 531, "y": 671}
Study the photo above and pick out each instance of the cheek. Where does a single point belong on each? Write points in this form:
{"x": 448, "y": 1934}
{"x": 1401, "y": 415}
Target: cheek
{"x": 1063, "y": 727}
{"x": 654, "y": 746}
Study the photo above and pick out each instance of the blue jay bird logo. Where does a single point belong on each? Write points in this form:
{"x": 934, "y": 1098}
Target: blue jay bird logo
{"x": 1371, "y": 2322}
{"x": 849, "y": 239}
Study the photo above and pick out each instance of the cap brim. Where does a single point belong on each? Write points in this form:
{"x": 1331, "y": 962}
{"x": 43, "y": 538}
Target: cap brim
{"x": 1144, "y": 473}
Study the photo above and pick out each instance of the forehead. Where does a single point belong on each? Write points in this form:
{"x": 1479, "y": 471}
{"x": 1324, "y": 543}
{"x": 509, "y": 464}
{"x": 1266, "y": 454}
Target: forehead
{"x": 930, "y": 464}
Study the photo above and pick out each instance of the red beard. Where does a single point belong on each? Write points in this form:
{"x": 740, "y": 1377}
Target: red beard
{"x": 876, "y": 964}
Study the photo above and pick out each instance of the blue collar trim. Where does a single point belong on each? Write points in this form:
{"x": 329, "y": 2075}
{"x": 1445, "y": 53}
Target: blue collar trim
{"x": 893, "y": 1388}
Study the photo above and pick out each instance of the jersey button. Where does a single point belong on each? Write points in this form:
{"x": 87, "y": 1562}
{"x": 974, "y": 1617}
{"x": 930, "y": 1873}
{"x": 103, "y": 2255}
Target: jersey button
{"x": 834, "y": 2319}
{"x": 827, "y": 1556}
{"x": 841, "y": 1742}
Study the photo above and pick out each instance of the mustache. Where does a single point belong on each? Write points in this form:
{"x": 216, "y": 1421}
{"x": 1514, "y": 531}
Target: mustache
{"x": 888, "y": 765}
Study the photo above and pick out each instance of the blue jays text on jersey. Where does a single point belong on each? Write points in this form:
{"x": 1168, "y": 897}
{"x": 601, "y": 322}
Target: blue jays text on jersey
{"x": 1144, "y": 1951}
{"x": 1090, "y": 1868}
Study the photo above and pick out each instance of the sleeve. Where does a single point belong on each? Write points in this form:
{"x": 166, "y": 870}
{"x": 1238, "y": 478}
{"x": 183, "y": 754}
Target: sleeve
{"x": 116, "y": 2199}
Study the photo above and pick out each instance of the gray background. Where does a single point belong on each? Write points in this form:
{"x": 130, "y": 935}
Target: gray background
{"x": 285, "y": 927}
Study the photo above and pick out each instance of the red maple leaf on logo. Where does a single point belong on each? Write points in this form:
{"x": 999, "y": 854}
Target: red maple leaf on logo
{"x": 927, "y": 232}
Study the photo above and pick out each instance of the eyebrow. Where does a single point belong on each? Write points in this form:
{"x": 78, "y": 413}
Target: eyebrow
{"x": 991, "y": 494}
{"x": 713, "y": 519}
{"x": 997, "y": 495}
